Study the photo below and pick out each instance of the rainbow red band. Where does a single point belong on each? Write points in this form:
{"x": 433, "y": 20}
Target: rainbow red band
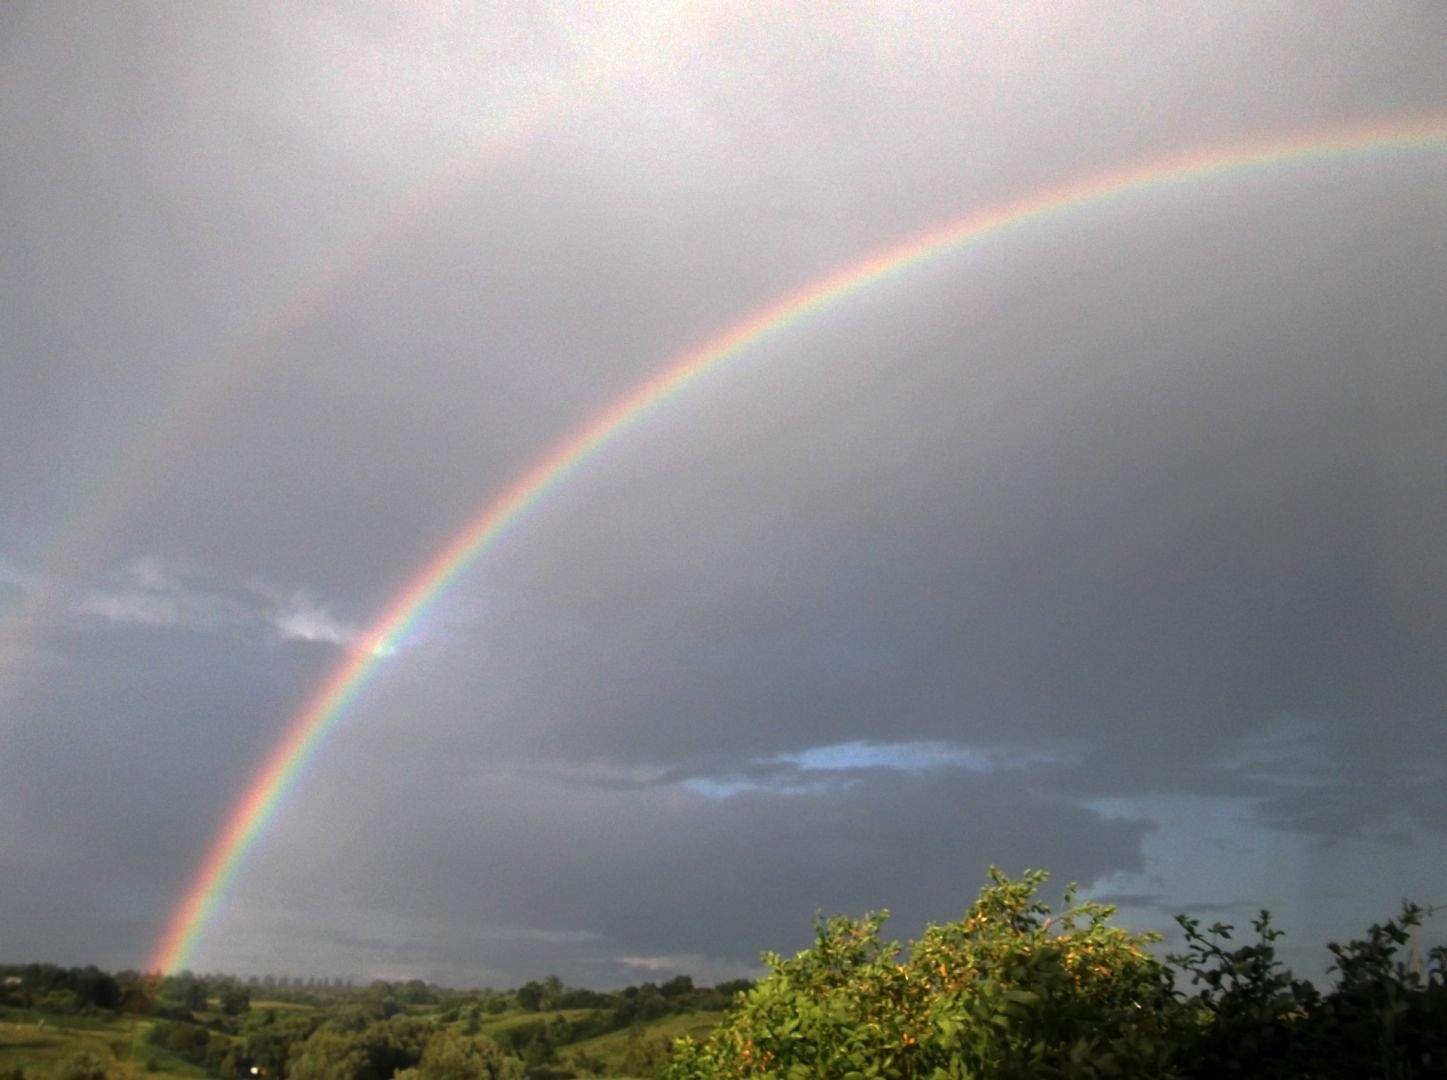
{"x": 264, "y": 795}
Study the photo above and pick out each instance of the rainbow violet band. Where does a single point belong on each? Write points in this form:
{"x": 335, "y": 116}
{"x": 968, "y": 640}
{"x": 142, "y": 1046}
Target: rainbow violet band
{"x": 267, "y": 790}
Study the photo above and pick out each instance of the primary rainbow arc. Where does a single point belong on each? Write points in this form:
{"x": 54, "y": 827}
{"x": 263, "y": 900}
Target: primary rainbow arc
{"x": 267, "y": 790}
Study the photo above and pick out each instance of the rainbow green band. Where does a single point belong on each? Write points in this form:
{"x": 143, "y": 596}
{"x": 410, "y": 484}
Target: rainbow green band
{"x": 268, "y": 789}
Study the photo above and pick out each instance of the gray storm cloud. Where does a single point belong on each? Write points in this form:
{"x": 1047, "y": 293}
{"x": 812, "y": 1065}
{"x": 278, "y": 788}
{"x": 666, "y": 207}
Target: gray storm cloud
{"x": 1133, "y": 519}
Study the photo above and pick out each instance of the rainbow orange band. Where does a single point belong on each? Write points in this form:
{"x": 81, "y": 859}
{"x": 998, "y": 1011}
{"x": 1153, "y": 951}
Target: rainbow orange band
{"x": 267, "y": 790}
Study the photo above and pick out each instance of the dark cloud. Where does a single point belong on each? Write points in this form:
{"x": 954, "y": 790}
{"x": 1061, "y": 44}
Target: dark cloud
{"x": 658, "y": 870}
{"x": 1131, "y": 519}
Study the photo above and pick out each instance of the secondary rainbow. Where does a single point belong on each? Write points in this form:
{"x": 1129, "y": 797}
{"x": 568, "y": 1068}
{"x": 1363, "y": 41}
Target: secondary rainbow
{"x": 202, "y": 389}
{"x": 267, "y": 790}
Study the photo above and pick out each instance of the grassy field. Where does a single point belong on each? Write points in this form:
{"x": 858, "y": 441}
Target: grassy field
{"x": 41, "y": 1043}
{"x": 498, "y": 1022}
{"x": 612, "y": 1048}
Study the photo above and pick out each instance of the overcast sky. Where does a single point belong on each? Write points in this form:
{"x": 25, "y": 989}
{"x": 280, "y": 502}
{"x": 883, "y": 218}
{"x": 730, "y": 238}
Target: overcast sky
{"x": 1113, "y": 546}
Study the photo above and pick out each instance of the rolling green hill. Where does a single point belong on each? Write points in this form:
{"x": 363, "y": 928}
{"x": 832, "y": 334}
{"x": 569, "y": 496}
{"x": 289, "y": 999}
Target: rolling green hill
{"x": 82, "y": 1024}
{"x": 50, "y": 1046}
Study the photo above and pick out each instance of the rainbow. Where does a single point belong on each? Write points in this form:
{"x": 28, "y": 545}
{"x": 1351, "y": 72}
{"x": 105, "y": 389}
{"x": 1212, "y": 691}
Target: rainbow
{"x": 267, "y": 790}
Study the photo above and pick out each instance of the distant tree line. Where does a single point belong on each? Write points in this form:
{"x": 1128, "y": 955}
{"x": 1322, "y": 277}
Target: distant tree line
{"x": 64, "y": 990}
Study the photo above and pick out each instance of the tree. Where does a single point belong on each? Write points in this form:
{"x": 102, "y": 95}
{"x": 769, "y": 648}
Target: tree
{"x": 643, "y": 1056}
{"x": 473, "y": 1023}
{"x": 1249, "y": 1012}
{"x": 96, "y": 987}
{"x": 193, "y": 995}
{"x": 271, "y": 1037}
{"x": 374, "y": 1052}
{"x": 330, "y": 1055}
{"x": 83, "y": 1066}
{"x": 1008, "y": 992}
{"x": 450, "y": 1056}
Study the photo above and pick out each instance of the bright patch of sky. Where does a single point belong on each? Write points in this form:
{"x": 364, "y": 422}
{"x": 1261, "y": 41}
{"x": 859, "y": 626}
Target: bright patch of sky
{"x": 724, "y": 787}
{"x": 148, "y": 593}
{"x": 784, "y": 774}
{"x": 921, "y": 756}
{"x": 310, "y": 622}
{"x": 1195, "y": 836}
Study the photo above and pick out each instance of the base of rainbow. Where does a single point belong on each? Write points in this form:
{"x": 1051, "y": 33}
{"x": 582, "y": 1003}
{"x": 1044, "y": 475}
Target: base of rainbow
{"x": 268, "y": 789}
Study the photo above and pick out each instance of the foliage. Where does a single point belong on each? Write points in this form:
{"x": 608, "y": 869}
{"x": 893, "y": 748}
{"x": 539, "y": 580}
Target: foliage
{"x": 58, "y": 989}
{"x": 1013, "y": 990}
{"x": 450, "y": 1056}
{"x": 235, "y": 1000}
{"x": 535, "y": 996}
{"x": 193, "y": 1042}
{"x": 342, "y": 1051}
{"x": 643, "y": 1055}
{"x": 1249, "y": 1012}
{"x": 84, "y": 1066}
{"x": 1009, "y": 991}
{"x": 1386, "y": 1017}
{"x": 269, "y": 1038}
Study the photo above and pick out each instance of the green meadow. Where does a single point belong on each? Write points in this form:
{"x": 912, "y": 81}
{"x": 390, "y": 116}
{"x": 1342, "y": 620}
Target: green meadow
{"x": 41, "y": 1045}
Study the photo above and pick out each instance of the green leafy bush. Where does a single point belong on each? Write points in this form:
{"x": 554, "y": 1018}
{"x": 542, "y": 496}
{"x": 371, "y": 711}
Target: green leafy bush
{"x": 1011, "y": 990}
{"x": 1249, "y": 1017}
{"x": 1386, "y": 1017}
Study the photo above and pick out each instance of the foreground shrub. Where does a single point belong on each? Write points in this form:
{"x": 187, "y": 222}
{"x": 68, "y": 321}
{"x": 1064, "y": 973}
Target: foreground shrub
{"x": 1386, "y": 1016}
{"x": 1010, "y": 991}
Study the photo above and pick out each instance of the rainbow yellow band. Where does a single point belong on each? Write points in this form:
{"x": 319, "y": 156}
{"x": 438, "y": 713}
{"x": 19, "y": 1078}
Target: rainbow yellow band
{"x": 268, "y": 788}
